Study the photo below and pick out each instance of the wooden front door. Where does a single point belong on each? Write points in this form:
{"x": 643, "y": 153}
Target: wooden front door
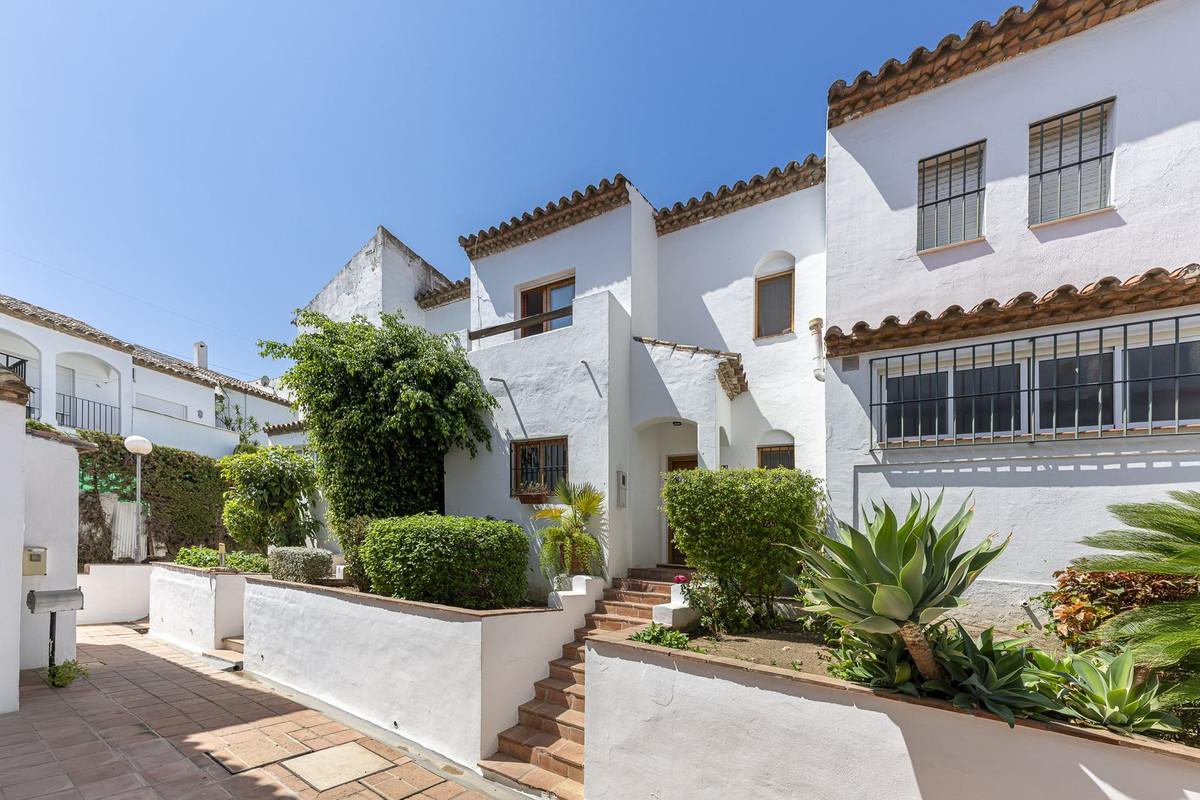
{"x": 674, "y": 556}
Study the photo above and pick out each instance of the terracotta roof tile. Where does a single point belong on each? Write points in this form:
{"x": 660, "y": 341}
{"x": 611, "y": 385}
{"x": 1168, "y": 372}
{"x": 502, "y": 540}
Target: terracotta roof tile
{"x": 296, "y": 426}
{"x": 985, "y": 44}
{"x": 1151, "y": 290}
{"x": 730, "y": 372}
{"x": 142, "y": 356}
{"x": 456, "y": 290}
{"x": 550, "y": 218}
{"x": 793, "y": 177}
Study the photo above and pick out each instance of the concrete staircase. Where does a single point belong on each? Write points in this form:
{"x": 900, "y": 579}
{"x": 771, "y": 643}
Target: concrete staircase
{"x": 543, "y": 753}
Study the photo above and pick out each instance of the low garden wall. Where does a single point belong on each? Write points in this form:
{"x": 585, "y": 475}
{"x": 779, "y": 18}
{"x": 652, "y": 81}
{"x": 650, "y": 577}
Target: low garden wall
{"x": 195, "y": 608}
{"x": 114, "y": 593}
{"x": 654, "y": 714}
{"x": 449, "y": 678}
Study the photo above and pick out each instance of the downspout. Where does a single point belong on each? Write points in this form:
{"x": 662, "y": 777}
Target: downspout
{"x": 815, "y": 326}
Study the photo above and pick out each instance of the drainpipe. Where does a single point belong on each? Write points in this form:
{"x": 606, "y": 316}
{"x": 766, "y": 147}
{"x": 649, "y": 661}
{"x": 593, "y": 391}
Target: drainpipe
{"x": 815, "y": 326}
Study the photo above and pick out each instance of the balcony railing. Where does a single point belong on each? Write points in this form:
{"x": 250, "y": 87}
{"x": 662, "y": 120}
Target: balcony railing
{"x": 76, "y": 412}
{"x": 518, "y": 324}
{"x": 21, "y": 367}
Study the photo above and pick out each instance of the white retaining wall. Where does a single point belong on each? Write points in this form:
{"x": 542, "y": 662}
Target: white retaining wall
{"x": 12, "y": 526}
{"x": 195, "y": 608}
{"x": 114, "y": 593}
{"x": 654, "y": 715}
{"x": 448, "y": 678}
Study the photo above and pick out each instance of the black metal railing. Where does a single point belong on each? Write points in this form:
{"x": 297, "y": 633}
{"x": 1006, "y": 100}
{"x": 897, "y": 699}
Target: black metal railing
{"x": 76, "y": 412}
{"x": 1131, "y": 379}
{"x": 20, "y": 366}
{"x": 538, "y": 466}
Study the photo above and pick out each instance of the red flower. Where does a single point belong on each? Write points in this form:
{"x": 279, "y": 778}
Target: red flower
{"x": 682, "y": 579}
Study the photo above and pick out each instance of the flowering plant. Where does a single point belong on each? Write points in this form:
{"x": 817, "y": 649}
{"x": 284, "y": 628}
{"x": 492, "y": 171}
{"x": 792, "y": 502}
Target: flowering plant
{"x": 682, "y": 579}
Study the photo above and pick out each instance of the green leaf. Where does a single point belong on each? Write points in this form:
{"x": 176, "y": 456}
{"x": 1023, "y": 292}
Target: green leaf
{"x": 892, "y": 602}
{"x": 875, "y": 625}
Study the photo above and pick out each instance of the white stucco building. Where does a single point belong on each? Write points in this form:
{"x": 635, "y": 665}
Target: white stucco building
{"x": 81, "y": 377}
{"x": 1011, "y": 215}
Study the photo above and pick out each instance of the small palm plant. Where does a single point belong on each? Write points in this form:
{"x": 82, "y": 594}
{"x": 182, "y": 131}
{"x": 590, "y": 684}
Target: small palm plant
{"x": 896, "y": 577}
{"x": 567, "y": 546}
{"x": 1162, "y": 538}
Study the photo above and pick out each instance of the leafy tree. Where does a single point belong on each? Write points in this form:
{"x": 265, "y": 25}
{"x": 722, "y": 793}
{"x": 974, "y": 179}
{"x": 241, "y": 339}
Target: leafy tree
{"x": 382, "y": 407}
{"x": 267, "y": 502}
{"x": 1162, "y": 538}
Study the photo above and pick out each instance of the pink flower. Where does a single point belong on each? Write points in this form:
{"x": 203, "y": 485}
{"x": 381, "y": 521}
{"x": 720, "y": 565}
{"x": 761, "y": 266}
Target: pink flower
{"x": 682, "y": 579}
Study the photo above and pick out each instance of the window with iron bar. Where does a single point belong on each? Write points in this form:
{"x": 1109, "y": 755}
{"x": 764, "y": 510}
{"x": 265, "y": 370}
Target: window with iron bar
{"x": 774, "y": 456}
{"x": 950, "y": 189}
{"x": 1131, "y": 379}
{"x": 1070, "y": 163}
{"x": 538, "y": 466}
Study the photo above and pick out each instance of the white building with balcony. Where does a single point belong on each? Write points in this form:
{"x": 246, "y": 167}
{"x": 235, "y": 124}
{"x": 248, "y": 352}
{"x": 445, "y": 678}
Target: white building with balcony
{"x": 83, "y": 378}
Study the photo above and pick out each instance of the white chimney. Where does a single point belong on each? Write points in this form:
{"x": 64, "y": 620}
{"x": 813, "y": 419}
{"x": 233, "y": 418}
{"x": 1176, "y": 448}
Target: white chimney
{"x": 200, "y": 355}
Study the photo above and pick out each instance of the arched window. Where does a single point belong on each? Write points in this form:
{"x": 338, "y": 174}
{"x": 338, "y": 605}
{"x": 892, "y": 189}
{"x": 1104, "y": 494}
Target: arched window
{"x": 777, "y": 449}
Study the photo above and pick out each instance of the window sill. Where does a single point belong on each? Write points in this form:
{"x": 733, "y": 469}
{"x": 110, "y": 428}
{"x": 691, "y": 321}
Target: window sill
{"x": 1093, "y": 213}
{"x": 532, "y": 498}
{"x": 771, "y": 336}
{"x": 941, "y": 248}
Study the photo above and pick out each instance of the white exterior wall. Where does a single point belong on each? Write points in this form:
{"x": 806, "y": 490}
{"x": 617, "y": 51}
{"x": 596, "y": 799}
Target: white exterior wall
{"x": 51, "y": 521}
{"x": 114, "y": 593}
{"x": 710, "y": 270}
{"x": 1048, "y": 495}
{"x": 871, "y": 176}
{"x": 652, "y": 718}
{"x": 12, "y": 540}
{"x": 449, "y": 679}
{"x": 555, "y": 384}
{"x": 194, "y": 608}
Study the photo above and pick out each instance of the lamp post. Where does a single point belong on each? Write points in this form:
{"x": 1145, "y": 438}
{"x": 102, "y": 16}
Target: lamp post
{"x": 139, "y": 446}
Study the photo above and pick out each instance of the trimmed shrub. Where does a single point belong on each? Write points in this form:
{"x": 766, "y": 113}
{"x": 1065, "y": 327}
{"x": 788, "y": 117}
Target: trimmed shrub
{"x": 183, "y": 491}
{"x": 267, "y": 500}
{"x": 730, "y": 524}
{"x": 209, "y": 557}
{"x": 350, "y": 535}
{"x": 300, "y": 564}
{"x": 456, "y": 561}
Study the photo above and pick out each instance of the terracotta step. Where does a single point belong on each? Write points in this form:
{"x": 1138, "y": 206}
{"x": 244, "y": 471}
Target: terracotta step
{"x": 567, "y": 669}
{"x": 573, "y": 650}
{"x": 545, "y": 750}
{"x": 662, "y": 588}
{"x": 640, "y": 611}
{"x": 235, "y": 643}
{"x": 609, "y": 622}
{"x": 552, "y": 718}
{"x": 521, "y": 775}
{"x": 661, "y": 574}
{"x": 563, "y": 693}
{"x": 641, "y": 598}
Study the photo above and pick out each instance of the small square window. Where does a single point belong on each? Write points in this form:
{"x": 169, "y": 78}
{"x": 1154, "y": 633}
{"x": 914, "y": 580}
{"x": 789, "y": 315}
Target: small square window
{"x": 773, "y": 304}
{"x": 950, "y": 189}
{"x": 1070, "y": 163}
{"x": 538, "y": 466}
{"x": 776, "y": 456}
{"x": 544, "y": 299}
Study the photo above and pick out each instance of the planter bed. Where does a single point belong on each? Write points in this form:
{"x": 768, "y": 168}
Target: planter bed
{"x": 449, "y": 678}
{"x": 653, "y": 713}
{"x": 195, "y": 608}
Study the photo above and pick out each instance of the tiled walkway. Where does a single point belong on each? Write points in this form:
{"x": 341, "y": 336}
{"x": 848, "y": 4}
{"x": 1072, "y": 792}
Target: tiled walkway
{"x": 153, "y": 722}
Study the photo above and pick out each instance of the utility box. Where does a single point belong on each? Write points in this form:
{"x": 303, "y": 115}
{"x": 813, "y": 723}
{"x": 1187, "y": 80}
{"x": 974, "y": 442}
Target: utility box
{"x": 33, "y": 561}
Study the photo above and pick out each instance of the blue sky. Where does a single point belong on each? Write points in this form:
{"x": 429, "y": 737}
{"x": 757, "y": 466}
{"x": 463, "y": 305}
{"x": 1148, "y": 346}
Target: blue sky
{"x": 184, "y": 170}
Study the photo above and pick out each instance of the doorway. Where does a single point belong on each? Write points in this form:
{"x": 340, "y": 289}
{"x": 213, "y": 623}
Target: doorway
{"x": 674, "y": 556}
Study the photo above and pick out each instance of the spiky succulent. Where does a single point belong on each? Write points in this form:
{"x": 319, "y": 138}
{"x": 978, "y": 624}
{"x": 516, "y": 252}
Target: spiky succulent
{"x": 1104, "y": 689}
{"x": 893, "y": 573}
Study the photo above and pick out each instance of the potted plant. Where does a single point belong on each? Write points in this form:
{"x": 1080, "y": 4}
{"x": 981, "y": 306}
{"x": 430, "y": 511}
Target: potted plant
{"x": 567, "y": 548}
{"x": 532, "y": 493}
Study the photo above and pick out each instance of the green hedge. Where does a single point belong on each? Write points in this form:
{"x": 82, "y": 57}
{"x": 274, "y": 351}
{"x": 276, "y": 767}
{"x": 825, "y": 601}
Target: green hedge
{"x": 456, "y": 561}
{"x": 208, "y": 557}
{"x": 183, "y": 491}
{"x": 300, "y": 564}
{"x": 350, "y": 535}
{"x": 730, "y": 523}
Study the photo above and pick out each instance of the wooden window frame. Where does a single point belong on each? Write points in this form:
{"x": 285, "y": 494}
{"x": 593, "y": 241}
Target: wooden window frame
{"x": 543, "y": 494}
{"x": 769, "y": 448}
{"x": 545, "y": 290}
{"x": 790, "y": 274}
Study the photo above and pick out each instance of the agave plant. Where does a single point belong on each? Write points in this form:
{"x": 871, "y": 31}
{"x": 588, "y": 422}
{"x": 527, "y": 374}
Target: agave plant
{"x": 881, "y": 662}
{"x": 1104, "y": 688}
{"x": 996, "y": 675}
{"x": 896, "y": 577}
{"x": 567, "y": 546}
{"x": 1162, "y": 538}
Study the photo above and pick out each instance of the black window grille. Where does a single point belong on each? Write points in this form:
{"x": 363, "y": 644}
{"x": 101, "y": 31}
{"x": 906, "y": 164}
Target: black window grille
{"x": 1070, "y": 163}
{"x": 1130, "y": 379}
{"x": 773, "y": 456}
{"x": 950, "y": 189}
{"x": 538, "y": 466}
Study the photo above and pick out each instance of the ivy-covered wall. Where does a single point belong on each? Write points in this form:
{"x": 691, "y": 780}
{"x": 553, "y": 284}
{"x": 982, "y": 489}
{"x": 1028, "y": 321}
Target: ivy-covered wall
{"x": 183, "y": 491}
